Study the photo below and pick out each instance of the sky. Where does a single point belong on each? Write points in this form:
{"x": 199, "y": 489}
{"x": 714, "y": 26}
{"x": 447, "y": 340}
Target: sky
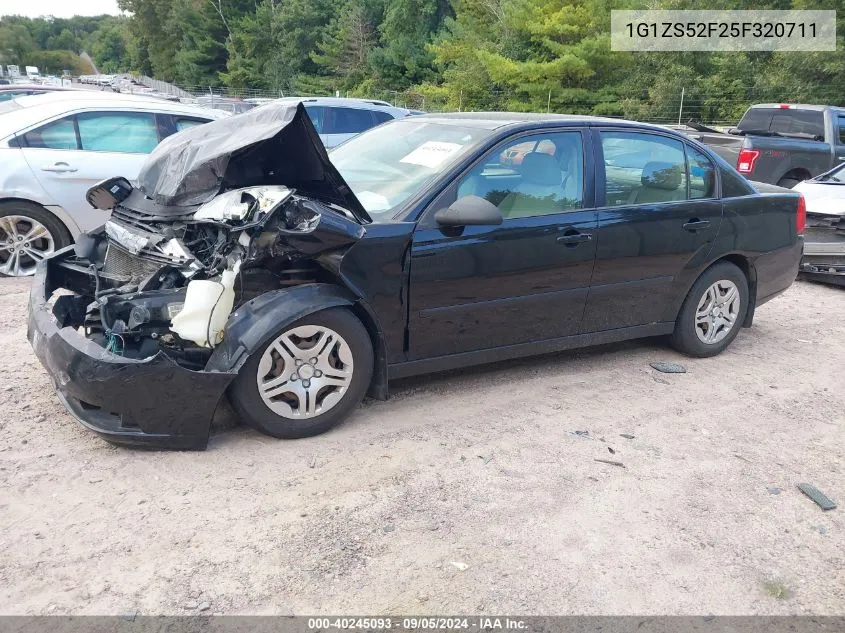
{"x": 57, "y": 8}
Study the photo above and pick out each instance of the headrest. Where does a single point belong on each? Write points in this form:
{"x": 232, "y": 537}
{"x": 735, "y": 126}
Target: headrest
{"x": 541, "y": 169}
{"x": 659, "y": 175}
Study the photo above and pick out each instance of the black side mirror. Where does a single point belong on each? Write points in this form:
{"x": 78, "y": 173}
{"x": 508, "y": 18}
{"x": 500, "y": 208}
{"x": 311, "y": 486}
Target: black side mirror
{"x": 469, "y": 211}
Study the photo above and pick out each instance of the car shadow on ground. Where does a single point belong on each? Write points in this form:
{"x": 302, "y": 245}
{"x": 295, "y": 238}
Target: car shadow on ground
{"x": 510, "y": 373}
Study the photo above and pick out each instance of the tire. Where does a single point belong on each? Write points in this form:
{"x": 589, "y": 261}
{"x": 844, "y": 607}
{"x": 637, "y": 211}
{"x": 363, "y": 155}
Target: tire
{"x": 702, "y": 316}
{"x": 789, "y": 183}
{"x": 18, "y": 220}
{"x": 295, "y": 401}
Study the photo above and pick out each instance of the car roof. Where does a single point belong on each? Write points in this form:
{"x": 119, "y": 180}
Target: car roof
{"x": 339, "y": 101}
{"x": 793, "y": 106}
{"x": 45, "y": 88}
{"x": 495, "y": 120}
{"x": 36, "y": 108}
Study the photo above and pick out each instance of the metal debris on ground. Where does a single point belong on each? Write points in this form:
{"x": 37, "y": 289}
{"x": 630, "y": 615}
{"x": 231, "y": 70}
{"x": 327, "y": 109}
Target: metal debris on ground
{"x": 611, "y": 462}
{"x": 774, "y": 490}
{"x": 669, "y": 368}
{"x": 627, "y": 436}
{"x": 818, "y": 496}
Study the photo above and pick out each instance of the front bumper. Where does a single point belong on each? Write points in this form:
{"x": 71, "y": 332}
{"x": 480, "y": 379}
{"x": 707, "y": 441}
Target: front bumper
{"x": 151, "y": 402}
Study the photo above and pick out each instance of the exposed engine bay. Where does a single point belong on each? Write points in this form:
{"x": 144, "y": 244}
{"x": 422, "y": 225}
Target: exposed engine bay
{"x": 158, "y": 278}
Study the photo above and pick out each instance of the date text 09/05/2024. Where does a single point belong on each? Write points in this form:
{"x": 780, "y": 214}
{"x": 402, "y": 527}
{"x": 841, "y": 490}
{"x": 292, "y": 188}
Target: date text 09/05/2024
{"x": 721, "y": 29}
{"x": 417, "y": 623}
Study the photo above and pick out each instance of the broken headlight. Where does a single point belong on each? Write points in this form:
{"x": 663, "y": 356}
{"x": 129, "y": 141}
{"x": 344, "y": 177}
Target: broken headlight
{"x": 248, "y": 204}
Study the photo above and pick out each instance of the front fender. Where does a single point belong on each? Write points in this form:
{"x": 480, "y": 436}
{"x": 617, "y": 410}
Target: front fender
{"x": 255, "y": 322}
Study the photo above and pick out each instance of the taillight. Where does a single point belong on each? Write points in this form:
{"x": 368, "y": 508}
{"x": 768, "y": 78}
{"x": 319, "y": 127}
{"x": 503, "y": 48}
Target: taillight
{"x": 801, "y": 215}
{"x": 746, "y": 159}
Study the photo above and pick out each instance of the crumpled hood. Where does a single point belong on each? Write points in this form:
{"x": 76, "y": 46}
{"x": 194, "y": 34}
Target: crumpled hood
{"x": 275, "y": 144}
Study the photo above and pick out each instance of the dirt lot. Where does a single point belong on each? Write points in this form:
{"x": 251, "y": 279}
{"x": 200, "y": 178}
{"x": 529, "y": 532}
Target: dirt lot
{"x": 467, "y": 492}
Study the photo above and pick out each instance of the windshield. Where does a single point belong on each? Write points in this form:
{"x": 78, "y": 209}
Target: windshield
{"x": 834, "y": 176}
{"x": 389, "y": 164}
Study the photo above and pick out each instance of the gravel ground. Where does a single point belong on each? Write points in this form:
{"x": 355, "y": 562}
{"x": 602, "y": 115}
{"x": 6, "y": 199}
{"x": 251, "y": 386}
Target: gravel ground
{"x": 466, "y": 492}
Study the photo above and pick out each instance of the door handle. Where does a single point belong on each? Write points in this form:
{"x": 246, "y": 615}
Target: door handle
{"x": 59, "y": 168}
{"x": 574, "y": 239}
{"x": 695, "y": 224}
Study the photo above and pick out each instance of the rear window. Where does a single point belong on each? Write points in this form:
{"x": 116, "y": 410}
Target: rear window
{"x": 783, "y": 121}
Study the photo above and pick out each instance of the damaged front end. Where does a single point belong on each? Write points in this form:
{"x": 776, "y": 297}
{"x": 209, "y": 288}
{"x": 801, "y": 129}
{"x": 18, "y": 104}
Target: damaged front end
{"x": 143, "y": 302}
{"x": 824, "y": 249}
{"x": 129, "y": 322}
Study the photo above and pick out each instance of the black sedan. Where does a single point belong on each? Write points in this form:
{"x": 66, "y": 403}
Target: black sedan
{"x": 247, "y": 264}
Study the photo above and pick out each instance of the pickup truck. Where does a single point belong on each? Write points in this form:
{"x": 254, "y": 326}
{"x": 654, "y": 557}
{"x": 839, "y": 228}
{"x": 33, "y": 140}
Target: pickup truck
{"x": 780, "y": 144}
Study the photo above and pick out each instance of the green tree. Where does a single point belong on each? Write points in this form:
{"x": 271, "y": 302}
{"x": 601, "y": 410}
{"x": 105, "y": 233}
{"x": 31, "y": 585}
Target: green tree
{"x": 16, "y": 44}
{"x": 344, "y": 51}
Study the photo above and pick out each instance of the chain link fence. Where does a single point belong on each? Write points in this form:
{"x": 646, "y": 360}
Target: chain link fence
{"x": 688, "y": 103}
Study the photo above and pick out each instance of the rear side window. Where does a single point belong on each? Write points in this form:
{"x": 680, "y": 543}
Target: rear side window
{"x": 643, "y": 169}
{"x": 317, "y": 115}
{"x": 183, "y": 123}
{"x": 381, "y": 117}
{"x": 841, "y": 122}
{"x": 349, "y": 121}
{"x": 734, "y": 185}
{"x": 59, "y": 134}
{"x": 702, "y": 175}
{"x": 122, "y": 132}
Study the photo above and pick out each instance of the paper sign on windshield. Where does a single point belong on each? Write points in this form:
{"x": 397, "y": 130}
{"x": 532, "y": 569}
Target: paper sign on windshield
{"x": 432, "y": 153}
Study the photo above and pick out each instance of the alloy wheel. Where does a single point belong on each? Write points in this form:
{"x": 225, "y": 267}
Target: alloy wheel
{"x": 717, "y": 312}
{"x": 23, "y": 243}
{"x": 305, "y": 372}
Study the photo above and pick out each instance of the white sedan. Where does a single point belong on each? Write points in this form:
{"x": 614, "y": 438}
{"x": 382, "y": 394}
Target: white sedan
{"x": 55, "y": 146}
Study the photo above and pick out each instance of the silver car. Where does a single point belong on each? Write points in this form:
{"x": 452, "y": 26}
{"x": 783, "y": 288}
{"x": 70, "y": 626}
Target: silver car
{"x": 338, "y": 119}
{"x": 55, "y": 146}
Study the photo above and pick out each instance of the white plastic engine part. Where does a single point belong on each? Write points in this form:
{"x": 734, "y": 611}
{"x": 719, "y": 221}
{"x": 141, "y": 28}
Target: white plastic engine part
{"x": 207, "y": 307}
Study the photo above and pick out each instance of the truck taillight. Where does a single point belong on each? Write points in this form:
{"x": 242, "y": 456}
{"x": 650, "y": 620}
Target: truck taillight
{"x": 746, "y": 159}
{"x": 801, "y": 215}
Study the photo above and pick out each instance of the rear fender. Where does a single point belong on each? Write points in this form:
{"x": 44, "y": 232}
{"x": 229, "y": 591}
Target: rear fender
{"x": 255, "y": 322}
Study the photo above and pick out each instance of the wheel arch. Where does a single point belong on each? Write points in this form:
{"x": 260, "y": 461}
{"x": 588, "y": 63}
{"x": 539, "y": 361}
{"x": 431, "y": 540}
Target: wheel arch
{"x": 254, "y": 323}
{"x": 798, "y": 173}
{"x": 747, "y": 267}
{"x": 60, "y": 214}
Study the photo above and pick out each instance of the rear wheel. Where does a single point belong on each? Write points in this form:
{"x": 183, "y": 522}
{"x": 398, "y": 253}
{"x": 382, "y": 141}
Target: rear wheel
{"x": 28, "y": 234}
{"x": 713, "y": 312}
{"x": 308, "y": 378}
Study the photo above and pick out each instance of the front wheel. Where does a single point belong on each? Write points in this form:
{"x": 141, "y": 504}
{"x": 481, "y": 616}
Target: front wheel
{"x": 28, "y": 234}
{"x": 308, "y": 378}
{"x": 713, "y": 312}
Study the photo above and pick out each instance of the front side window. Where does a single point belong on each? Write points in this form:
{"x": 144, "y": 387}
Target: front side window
{"x": 841, "y": 120}
{"x": 123, "y": 132}
{"x": 349, "y": 121}
{"x": 643, "y": 168}
{"x": 702, "y": 176}
{"x": 536, "y": 175}
{"x": 59, "y": 134}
